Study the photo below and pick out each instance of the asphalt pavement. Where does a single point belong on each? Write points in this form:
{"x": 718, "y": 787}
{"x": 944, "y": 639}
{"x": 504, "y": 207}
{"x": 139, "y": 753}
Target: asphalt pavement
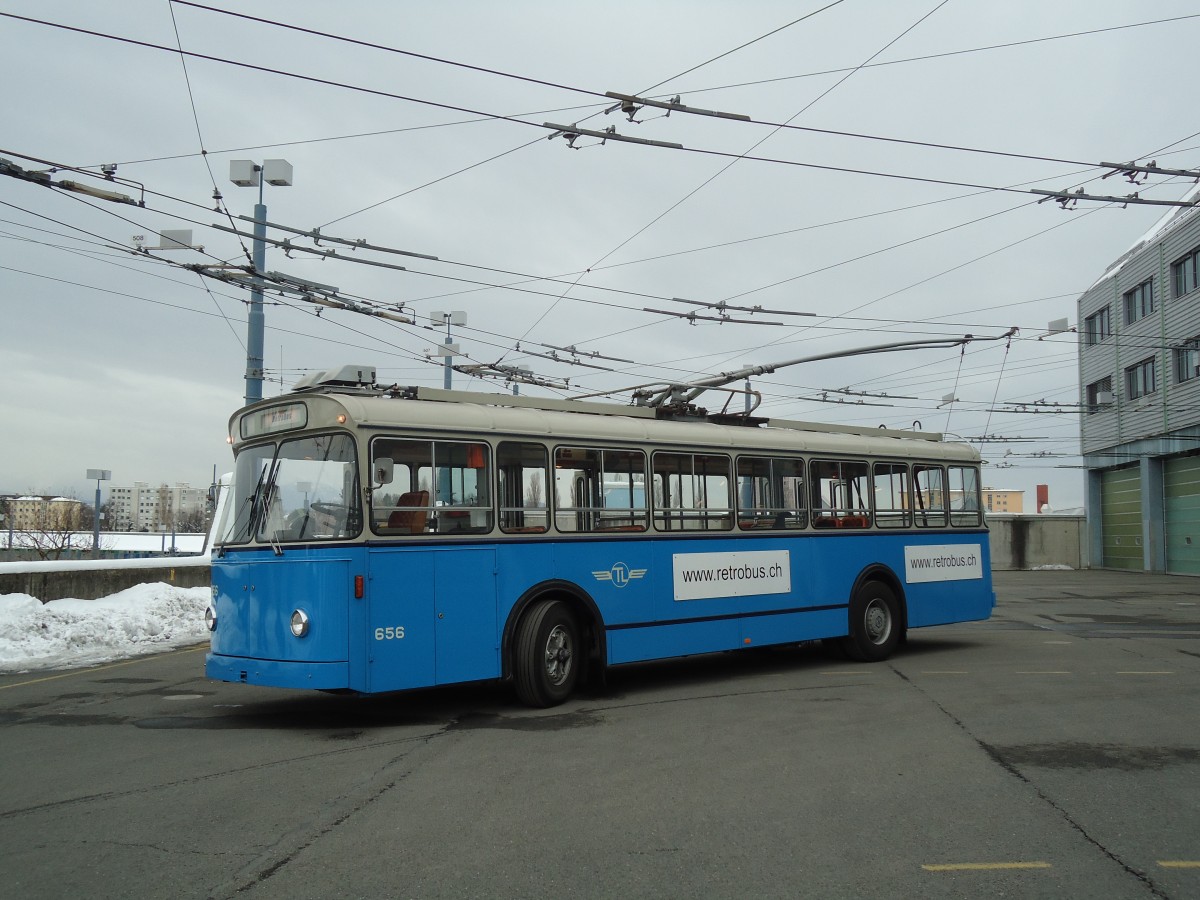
{"x": 1052, "y": 751}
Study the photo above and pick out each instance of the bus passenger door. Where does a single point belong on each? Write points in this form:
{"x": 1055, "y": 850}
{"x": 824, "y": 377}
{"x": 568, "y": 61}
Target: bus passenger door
{"x": 432, "y": 617}
{"x": 467, "y": 641}
{"x": 399, "y": 620}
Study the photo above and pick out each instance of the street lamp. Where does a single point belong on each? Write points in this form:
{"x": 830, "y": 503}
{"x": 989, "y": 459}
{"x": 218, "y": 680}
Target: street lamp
{"x": 447, "y": 349}
{"x": 247, "y": 173}
{"x": 98, "y": 475}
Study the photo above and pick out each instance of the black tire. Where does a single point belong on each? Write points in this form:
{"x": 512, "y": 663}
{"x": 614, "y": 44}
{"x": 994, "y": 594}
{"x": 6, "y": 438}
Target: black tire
{"x": 546, "y": 654}
{"x": 876, "y": 625}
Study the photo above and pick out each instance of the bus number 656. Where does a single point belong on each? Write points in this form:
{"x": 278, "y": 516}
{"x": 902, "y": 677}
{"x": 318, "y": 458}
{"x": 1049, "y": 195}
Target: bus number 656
{"x": 390, "y": 633}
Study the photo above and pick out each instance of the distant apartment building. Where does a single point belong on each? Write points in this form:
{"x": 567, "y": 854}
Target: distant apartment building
{"x": 995, "y": 500}
{"x": 1003, "y": 500}
{"x": 32, "y": 512}
{"x": 1139, "y": 374}
{"x": 146, "y": 507}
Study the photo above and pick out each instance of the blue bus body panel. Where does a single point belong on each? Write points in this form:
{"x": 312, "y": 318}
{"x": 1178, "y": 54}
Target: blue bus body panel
{"x": 955, "y": 599}
{"x": 444, "y": 599}
{"x": 256, "y": 593}
{"x": 435, "y": 613}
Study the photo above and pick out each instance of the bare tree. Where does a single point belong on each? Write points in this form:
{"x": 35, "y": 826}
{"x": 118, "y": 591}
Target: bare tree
{"x": 52, "y": 530}
{"x": 193, "y": 522}
{"x": 533, "y": 491}
{"x": 165, "y": 514}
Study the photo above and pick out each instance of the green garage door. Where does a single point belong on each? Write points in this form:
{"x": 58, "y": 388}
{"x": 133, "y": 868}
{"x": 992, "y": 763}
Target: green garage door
{"x": 1181, "y": 495}
{"x": 1121, "y": 517}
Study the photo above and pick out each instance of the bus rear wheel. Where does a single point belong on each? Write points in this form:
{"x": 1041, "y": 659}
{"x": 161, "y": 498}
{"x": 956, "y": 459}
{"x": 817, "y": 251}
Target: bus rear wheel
{"x": 546, "y": 654}
{"x": 875, "y": 623}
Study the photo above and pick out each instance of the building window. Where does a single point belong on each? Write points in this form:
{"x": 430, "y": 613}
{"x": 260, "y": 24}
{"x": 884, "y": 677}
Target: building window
{"x": 1184, "y": 273}
{"x": 1097, "y": 327}
{"x": 1187, "y": 360}
{"x": 1139, "y": 379}
{"x": 1139, "y": 302}
{"x": 1099, "y": 393}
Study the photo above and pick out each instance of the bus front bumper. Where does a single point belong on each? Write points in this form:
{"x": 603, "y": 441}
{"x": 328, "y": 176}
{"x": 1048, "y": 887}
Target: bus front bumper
{"x": 277, "y": 673}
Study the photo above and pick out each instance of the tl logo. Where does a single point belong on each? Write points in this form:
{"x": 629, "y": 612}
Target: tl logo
{"x": 620, "y": 574}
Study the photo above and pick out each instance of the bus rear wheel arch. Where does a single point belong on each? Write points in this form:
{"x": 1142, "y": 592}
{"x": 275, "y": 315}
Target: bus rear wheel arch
{"x": 548, "y": 653}
{"x": 877, "y": 622}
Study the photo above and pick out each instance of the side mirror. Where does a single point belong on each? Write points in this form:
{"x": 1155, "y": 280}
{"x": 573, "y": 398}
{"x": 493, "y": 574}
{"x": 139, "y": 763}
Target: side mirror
{"x": 381, "y": 471}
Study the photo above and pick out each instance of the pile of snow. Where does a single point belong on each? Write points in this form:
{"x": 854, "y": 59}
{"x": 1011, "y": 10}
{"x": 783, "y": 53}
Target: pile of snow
{"x": 64, "y": 634}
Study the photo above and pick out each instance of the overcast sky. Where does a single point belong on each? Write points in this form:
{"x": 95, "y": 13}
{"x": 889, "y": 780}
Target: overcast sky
{"x": 126, "y": 362}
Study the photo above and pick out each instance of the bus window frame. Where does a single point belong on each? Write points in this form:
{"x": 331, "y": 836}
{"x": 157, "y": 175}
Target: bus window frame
{"x": 967, "y": 516}
{"x": 834, "y": 516}
{"x": 892, "y": 517}
{"x": 425, "y": 513}
{"x": 704, "y": 515}
{"x": 923, "y": 514}
{"x": 756, "y": 517}
{"x": 593, "y": 516}
{"x": 273, "y": 526}
{"x": 251, "y": 503}
{"x": 521, "y": 512}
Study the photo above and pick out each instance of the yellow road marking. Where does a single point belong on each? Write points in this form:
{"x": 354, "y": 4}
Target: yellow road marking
{"x": 128, "y": 662}
{"x": 979, "y": 867}
{"x": 1179, "y": 863}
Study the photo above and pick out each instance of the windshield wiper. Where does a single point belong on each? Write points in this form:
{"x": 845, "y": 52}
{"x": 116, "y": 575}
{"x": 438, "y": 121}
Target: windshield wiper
{"x": 260, "y": 513}
{"x": 242, "y": 526}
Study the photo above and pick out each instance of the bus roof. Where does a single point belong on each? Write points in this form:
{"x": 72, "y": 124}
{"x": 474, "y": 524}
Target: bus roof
{"x": 431, "y": 409}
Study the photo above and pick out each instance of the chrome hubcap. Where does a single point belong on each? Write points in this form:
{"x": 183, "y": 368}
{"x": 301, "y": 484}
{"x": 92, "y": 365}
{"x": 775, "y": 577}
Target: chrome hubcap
{"x": 877, "y": 622}
{"x": 558, "y": 655}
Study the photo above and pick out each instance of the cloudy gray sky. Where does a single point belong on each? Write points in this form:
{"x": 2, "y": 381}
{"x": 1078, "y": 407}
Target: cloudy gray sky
{"x": 130, "y": 363}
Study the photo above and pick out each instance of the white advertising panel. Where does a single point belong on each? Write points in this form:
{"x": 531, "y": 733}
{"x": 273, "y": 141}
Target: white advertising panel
{"x": 702, "y": 576}
{"x": 942, "y": 562}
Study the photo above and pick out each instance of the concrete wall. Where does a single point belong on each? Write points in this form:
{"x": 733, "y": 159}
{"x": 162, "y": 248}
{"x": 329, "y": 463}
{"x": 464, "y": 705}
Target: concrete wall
{"x": 1025, "y": 542}
{"x": 90, "y": 583}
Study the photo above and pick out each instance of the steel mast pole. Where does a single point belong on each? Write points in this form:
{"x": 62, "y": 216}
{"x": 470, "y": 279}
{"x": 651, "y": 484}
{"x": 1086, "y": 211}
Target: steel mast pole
{"x": 256, "y": 320}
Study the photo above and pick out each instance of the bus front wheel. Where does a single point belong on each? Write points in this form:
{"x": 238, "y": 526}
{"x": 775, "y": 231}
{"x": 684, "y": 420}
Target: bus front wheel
{"x": 875, "y": 623}
{"x": 546, "y": 658}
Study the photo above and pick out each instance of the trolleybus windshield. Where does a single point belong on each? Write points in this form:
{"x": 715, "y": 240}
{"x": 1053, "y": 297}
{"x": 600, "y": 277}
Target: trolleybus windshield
{"x": 308, "y": 490}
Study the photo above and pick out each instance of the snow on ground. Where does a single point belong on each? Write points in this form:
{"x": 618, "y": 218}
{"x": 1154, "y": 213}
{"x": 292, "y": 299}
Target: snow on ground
{"x": 64, "y": 634}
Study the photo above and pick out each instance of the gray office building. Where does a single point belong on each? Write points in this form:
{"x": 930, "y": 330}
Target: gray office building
{"x": 1139, "y": 378}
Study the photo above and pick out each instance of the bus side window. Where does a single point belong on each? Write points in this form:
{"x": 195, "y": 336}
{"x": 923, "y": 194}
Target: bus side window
{"x": 692, "y": 492}
{"x": 436, "y": 486}
{"x": 770, "y": 493}
{"x": 891, "y": 496}
{"x": 521, "y": 469}
{"x": 840, "y": 494}
{"x": 929, "y": 496}
{"x": 463, "y": 484}
{"x": 599, "y": 490}
{"x": 965, "y": 508}
{"x": 402, "y": 505}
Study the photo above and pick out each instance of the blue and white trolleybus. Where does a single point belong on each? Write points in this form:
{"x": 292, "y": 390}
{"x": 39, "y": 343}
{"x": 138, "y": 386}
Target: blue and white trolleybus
{"x": 387, "y": 538}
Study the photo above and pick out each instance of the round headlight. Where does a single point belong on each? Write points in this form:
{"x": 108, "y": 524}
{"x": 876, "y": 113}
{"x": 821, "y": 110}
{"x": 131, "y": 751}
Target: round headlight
{"x": 210, "y": 618}
{"x": 299, "y": 623}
